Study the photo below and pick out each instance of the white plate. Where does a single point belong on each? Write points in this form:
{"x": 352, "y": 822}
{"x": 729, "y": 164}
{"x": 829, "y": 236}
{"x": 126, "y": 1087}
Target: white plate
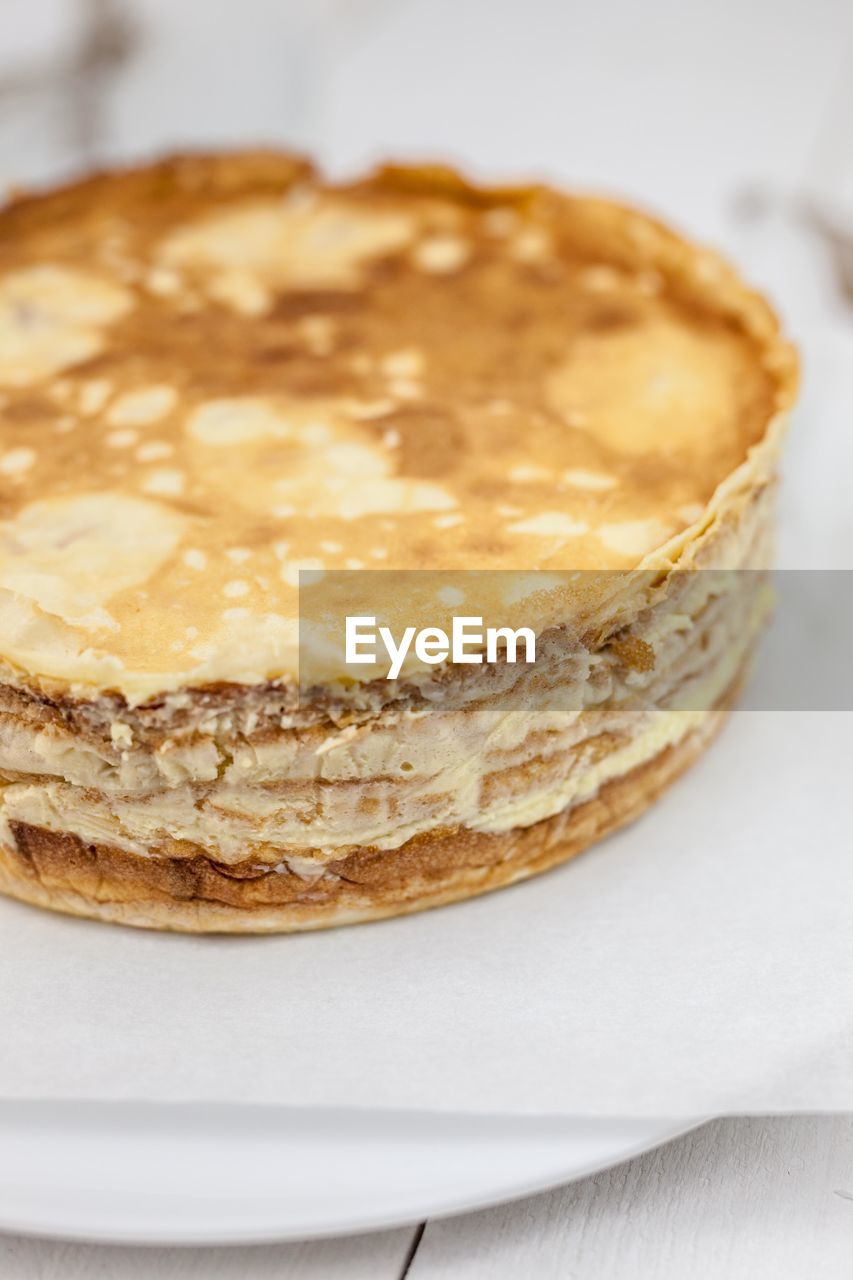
{"x": 186, "y": 1174}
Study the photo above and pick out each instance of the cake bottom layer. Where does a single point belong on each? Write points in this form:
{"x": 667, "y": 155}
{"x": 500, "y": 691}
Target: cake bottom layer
{"x": 61, "y": 872}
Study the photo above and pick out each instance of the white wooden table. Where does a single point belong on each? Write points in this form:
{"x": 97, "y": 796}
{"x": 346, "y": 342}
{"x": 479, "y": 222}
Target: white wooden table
{"x": 683, "y": 104}
{"x": 741, "y": 1199}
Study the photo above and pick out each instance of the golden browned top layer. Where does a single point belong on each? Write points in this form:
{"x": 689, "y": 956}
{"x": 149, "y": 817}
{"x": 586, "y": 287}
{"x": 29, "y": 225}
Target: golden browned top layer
{"x": 219, "y": 370}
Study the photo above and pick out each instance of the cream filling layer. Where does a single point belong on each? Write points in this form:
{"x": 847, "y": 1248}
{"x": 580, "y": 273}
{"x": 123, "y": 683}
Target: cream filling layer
{"x": 46, "y": 806}
{"x": 491, "y": 769}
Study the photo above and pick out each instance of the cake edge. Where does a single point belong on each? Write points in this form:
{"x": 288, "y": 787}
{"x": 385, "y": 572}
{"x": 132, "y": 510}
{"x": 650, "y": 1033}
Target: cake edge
{"x": 50, "y": 869}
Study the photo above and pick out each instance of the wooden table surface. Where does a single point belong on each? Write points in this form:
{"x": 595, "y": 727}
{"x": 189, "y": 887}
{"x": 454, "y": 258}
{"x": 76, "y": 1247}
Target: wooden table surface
{"x": 742, "y": 1199}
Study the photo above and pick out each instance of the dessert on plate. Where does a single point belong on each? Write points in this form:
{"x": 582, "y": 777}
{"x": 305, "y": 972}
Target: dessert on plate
{"x": 220, "y": 375}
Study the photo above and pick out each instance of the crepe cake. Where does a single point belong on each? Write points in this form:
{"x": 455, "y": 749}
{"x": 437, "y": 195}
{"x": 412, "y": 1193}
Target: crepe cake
{"x": 220, "y": 372}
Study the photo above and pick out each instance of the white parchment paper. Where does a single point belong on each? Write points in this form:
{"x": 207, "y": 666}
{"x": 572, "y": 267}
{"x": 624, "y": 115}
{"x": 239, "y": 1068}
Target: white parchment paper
{"x": 699, "y": 962}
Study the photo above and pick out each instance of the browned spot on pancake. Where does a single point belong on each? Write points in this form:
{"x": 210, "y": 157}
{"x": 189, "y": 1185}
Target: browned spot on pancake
{"x": 634, "y": 653}
{"x": 614, "y": 317}
{"x": 432, "y": 441}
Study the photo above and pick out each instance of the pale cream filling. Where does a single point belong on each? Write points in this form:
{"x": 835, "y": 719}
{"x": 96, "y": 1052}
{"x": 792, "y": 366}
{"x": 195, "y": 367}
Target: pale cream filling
{"x": 453, "y": 758}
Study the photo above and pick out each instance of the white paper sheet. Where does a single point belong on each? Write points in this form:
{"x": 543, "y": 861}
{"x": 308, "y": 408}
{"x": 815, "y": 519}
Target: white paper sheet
{"x": 699, "y": 962}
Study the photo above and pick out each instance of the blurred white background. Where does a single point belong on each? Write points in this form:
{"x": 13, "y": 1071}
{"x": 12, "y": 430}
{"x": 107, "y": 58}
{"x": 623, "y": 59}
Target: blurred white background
{"x": 731, "y": 117}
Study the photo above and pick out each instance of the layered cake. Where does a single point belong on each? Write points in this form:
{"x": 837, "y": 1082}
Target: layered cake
{"x": 227, "y": 387}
